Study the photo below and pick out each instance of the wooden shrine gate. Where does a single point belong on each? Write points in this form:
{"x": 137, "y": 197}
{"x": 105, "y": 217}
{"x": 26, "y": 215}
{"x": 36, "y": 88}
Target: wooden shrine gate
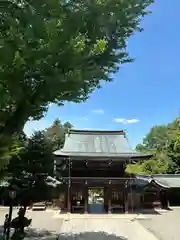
{"x": 115, "y": 197}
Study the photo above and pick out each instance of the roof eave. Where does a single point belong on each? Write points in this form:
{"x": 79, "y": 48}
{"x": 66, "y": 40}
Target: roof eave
{"x": 132, "y": 156}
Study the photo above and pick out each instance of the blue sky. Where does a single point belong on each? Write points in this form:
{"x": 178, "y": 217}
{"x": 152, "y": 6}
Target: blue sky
{"x": 143, "y": 93}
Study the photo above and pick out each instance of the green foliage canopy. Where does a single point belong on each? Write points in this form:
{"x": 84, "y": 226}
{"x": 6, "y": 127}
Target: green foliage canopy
{"x": 57, "y": 51}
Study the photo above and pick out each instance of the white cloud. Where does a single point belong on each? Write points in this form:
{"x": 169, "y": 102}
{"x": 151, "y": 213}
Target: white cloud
{"x": 125, "y": 121}
{"x": 98, "y": 111}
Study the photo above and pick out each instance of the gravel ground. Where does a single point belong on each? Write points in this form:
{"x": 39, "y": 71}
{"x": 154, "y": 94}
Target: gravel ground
{"x": 165, "y": 226}
{"x": 44, "y": 226}
{"x": 106, "y": 229}
{"x": 155, "y": 227}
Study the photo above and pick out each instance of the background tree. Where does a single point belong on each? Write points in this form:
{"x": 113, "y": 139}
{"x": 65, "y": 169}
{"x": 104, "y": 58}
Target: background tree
{"x": 38, "y": 155}
{"x": 173, "y": 151}
{"x": 158, "y": 137}
{"x": 57, "y": 51}
{"x": 31, "y": 170}
{"x": 155, "y": 139}
{"x": 164, "y": 143}
{"x": 34, "y": 155}
{"x": 34, "y": 158}
{"x": 56, "y": 133}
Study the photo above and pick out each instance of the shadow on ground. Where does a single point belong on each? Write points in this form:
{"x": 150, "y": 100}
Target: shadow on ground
{"x": 34, "y": 234}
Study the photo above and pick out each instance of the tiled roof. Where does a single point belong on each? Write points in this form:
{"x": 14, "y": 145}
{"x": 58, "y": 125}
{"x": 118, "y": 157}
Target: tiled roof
{"x": 167, "y": 180}
{"x": 97, "y": 143}
{"x": 161, "y": 180}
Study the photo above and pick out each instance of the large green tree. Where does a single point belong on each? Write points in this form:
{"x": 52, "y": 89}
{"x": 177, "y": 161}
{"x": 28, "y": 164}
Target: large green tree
{"x": 57, "y": 51}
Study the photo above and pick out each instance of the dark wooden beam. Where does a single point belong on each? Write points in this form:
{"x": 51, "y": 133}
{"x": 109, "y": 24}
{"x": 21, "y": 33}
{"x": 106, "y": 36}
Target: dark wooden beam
{"x": 101, "y": 178}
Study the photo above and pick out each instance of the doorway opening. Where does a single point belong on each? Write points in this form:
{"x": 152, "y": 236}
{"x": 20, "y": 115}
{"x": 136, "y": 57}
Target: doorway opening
{"x": 96, "y": 200}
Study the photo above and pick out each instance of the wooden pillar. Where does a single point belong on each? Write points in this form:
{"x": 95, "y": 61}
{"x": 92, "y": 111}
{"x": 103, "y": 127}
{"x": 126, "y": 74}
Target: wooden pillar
{"x": 126, "y": 200}
{"x": 69, "y": 199}
{"x": 69, "y": 164}
{"x": 85, "y": 199}
{"x": 126, "y": 205}
{"x": 109, "y": 197}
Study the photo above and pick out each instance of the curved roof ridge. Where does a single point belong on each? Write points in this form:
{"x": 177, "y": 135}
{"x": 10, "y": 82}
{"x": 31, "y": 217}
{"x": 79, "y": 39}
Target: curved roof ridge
{"x": 98, "y": 131}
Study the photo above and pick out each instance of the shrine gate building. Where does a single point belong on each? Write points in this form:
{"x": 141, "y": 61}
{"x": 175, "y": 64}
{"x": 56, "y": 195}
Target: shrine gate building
{"x": 95, "y": 159}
